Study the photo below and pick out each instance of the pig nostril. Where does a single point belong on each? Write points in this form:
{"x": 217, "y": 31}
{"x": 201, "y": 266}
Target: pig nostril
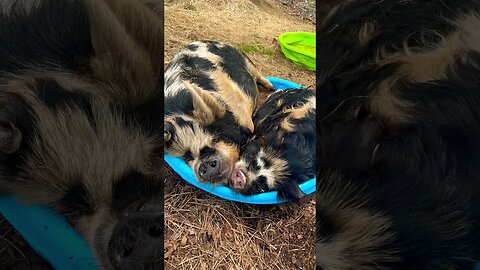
{"x": 203, "y": 169}
{"x": 213, "y": 164}
{"x": 155, "y": 231}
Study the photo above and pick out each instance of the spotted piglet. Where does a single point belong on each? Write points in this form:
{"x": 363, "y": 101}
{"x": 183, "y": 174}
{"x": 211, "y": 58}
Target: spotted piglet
{"x": 281, "y": 154}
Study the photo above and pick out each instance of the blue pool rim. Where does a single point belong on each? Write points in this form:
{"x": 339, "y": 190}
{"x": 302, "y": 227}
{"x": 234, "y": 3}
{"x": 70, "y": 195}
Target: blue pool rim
{"x": 50, "y": 235}
{"x": 186, "y": 173}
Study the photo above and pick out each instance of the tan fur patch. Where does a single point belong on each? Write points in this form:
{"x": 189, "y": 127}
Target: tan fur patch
{"x": 279, "y": 103}
{"x": 68, "y": 147}
{"x": 231, "y": 94}
{"x": 103, "y": 217}
{"x": 361, "y": 233}
{"x": 358, "y": 243}
{"x": 429, "y": 63}
{"x": 277, "y": 169}
{"x": 297, "y": 113}
{"x": 434, "y": 60}
{"x": 194, "y": 140}
{"x": 384, "y": 103}
{"x": 202, "y": 51}
{"x": 144, "y": 26}
{"x": 229, "y": 150}
{"x": 366, "y": 32}
{"x": 187, "y": 138}
{"x": 126, "y": 39}
{"x": 206, "y": 108}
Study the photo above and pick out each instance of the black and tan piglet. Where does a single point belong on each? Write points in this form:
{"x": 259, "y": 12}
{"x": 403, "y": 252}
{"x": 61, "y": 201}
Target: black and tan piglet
{"x": 281, "y": 154}
{"x": 211, "y": 92}
{"x": 399, "y": 136}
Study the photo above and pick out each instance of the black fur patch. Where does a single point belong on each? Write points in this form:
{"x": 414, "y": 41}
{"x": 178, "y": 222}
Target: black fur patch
{"x": 325, "y": 228}
{"x": 233, "y": 63}
{"x": 196, "y": 70}
{"x": 253, "y": 166}
{"x": 192, "y": 47}
{"x": 183, "y": 123}
{"x": 290, "y": 190}
{"x": 132, "y": 187}
{"x": 170, "y": 129}
{"x": 181, "y": 103}
{"x": 257, "y": 187}
{"x": 206, "y": 152}
{"x": 148, "y": 115}
{"x": 412, "y": 183}
{"x": 75, "y": 202}
{"x": 20, "y": 113}
{"x": 55, "y": 97}
{"x": 29, "y": 39}
{"x": 187, "y": 156}
{"x": 266, "y": 163}
{"x": 226, "y": 130}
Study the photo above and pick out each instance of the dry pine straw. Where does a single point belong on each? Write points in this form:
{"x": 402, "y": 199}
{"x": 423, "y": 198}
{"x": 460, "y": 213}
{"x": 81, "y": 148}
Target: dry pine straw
{"x": 240, "y": 23}
{"x": 206, "y": 232}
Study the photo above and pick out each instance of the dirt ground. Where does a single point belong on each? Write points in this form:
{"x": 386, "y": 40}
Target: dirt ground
{"x": 206, "y": 232}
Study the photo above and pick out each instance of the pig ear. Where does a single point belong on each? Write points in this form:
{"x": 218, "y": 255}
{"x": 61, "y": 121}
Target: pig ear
{"x": 277, "y": 137}
{"x": 206, "y": 109}
{"x": 369, "y": 131}
{"x": 289, "y": 189}
{"x": 168, "y": 132}
{"x": 166, "y": 135}
{"x": 10, "y": 137}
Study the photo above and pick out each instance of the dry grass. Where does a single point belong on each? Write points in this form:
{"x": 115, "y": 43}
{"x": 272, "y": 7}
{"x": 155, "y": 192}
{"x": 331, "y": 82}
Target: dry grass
{"x": 15, "y": 253}
{"x": 243, "y": 23}
{"x": 203, "y": 231}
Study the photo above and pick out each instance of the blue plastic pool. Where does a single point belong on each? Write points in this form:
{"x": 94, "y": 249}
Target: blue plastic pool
{"x": 50, "y": 235}
{"x": 182, "y": 169}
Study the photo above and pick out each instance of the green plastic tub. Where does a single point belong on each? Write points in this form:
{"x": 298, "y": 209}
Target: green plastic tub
{"x": 299, "y": 47}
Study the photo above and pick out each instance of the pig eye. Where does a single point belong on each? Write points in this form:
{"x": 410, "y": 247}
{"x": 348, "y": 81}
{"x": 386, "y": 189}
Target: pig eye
{"x": 168, "y": 132}
{"x": 188, "y": 156}
{"x": 133, "y": 207}
{"x": 276, "y": 138}
{"x": 249, "y": 150}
